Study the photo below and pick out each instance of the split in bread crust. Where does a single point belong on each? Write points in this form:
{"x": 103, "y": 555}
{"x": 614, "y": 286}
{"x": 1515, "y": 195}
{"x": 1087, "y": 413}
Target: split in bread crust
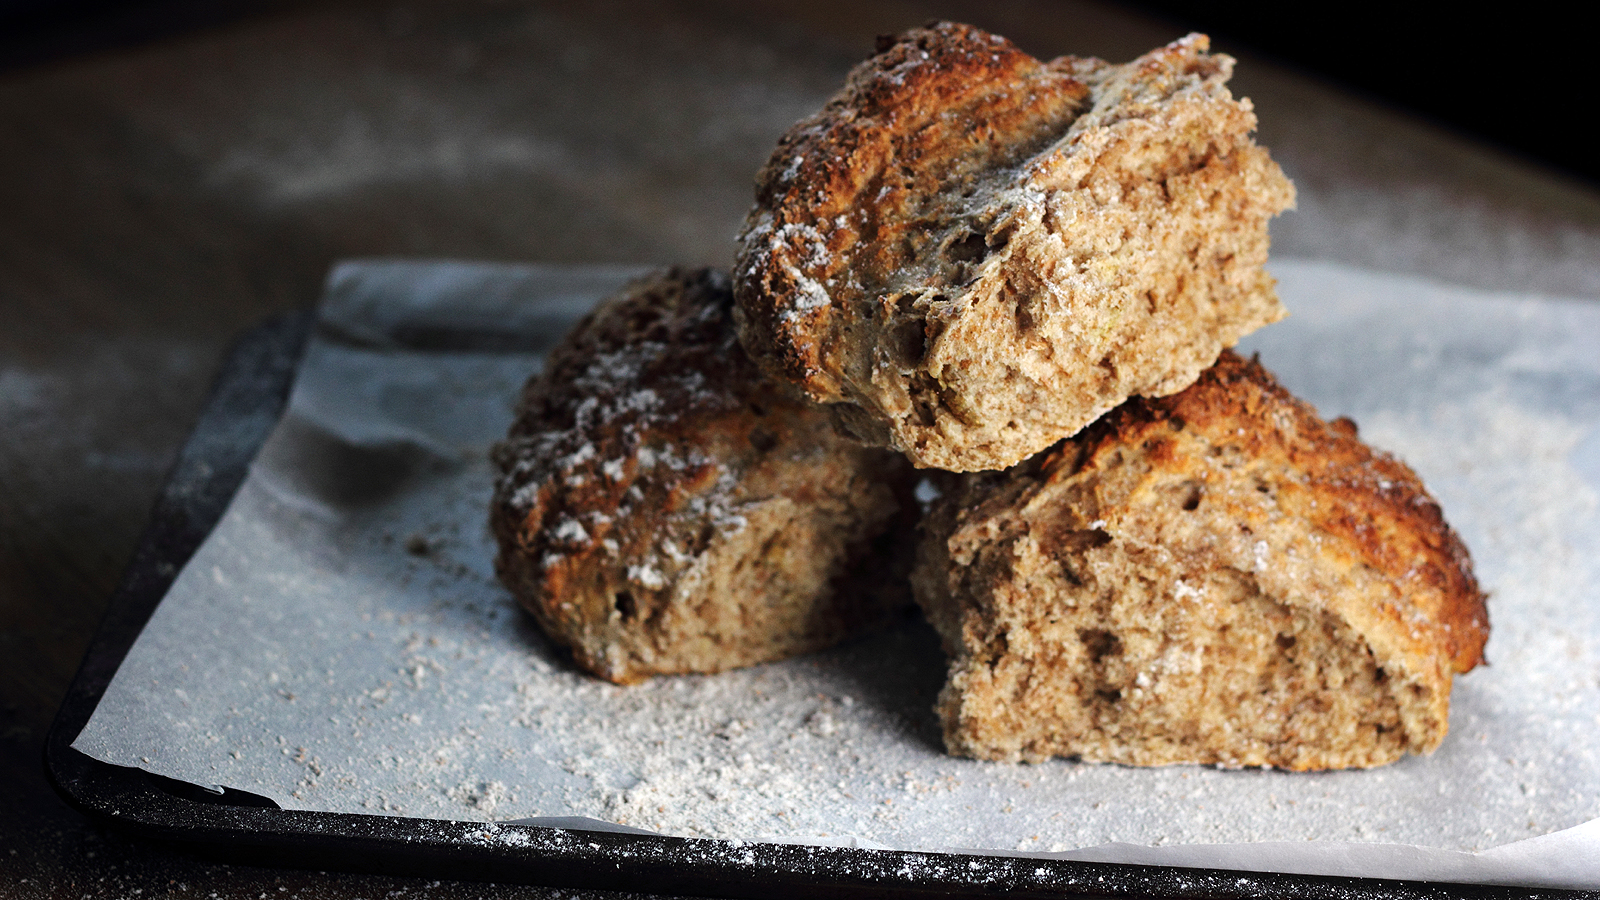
{"x": 1215, "y": 577}
{"x": 663, "y": 507}
{"x": 970, "y": 253}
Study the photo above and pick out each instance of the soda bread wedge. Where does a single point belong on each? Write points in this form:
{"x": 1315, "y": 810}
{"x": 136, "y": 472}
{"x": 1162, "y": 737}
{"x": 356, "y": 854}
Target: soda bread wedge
{"x": 970, "y": 254}
{"x": 664, "y": 508}
{"x": 1214, "y": 577}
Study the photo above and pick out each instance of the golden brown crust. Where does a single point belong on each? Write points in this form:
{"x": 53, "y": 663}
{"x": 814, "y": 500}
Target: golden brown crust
{"x": 1375, "y": 504}
{"x": 932, "y": 111}
{"x": 663, "y": 507}
{"x": 1226, "y": 525}
{"x": 973, "y": 253}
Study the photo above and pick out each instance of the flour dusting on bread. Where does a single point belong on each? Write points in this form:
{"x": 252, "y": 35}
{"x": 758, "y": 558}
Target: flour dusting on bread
{"x": 663, "y": 508}
{"x": 970, "y": 254}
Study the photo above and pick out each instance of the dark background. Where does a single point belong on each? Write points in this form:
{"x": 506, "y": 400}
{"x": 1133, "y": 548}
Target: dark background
{"x": 1521, "y": 77}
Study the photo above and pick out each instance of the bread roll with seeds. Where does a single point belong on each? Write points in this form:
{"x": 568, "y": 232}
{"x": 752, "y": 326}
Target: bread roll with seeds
{"x": 664, "y": 508}
{"x": 970, "y": 253}
{"x": 1214, "y": 577}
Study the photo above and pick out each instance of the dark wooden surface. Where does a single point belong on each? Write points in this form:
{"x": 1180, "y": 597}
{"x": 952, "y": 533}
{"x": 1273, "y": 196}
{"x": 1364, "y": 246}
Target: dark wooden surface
{"x": 158, "y": 197}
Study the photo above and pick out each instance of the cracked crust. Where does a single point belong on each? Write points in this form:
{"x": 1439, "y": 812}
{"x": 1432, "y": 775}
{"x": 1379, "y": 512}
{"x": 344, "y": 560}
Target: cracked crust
{"x": 1215, "y": 577}
{"x": 662, "y": 507}
{"x": 970, "y": 253}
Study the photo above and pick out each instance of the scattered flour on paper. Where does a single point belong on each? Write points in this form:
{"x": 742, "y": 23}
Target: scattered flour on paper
{"x": 844, "y": 746}
{"x": 369, "y": 662}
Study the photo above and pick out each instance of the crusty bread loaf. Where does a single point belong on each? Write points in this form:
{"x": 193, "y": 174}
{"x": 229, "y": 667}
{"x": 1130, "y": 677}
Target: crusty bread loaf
{"x": 972, "y": 254}
{"x": 663, "y": 508}
{"x": 1214, "y": 577}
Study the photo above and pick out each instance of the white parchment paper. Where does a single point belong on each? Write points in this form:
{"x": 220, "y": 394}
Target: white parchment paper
{"x": 340, "y": 643}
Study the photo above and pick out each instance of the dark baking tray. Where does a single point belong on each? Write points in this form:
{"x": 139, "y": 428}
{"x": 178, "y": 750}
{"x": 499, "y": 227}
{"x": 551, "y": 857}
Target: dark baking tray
{"x": 244, "y": 405}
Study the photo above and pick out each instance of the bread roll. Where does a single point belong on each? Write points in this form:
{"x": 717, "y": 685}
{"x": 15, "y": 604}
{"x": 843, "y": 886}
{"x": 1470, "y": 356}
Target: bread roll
{"x": 970, "y": 253}
{"x": 1214, "y": 577}
{"x": 663, "y": 508}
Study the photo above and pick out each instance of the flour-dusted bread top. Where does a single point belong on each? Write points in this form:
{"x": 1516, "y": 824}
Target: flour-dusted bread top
{"x": 1218, "y": 576}
{"x": 970, "y": 253}
{"x": 663, "y": 507}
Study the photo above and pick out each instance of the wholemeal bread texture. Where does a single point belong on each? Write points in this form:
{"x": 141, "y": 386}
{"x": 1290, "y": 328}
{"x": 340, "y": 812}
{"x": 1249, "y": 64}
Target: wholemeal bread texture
{"x": 664, "y": 508}
{"x": 970, "y": 253}
{"x": 1215, "y": 577}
